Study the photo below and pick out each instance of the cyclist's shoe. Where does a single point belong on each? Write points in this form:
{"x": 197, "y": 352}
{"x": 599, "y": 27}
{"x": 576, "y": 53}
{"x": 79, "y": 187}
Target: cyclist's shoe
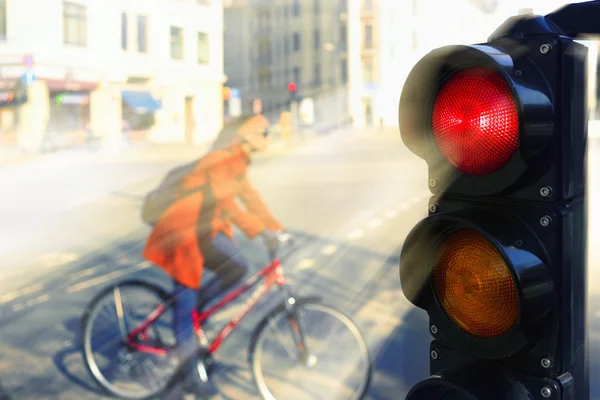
{"x": 203, "y": 390}
{"x": 200, "y": 386}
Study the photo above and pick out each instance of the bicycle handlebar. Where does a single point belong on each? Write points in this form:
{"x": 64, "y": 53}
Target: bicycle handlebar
{"x": 280, "y": 238}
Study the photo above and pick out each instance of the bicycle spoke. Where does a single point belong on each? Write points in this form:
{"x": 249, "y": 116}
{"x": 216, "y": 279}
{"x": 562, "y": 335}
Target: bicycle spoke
{"x": 119, "y": 310}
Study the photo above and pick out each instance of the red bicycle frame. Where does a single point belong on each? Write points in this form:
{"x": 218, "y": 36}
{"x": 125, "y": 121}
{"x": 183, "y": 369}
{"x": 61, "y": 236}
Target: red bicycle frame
{"x": 272, "y": 275}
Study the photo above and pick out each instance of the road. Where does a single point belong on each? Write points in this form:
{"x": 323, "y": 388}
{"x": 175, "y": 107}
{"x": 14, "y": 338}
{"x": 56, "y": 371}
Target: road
{"x": 350, "y": 198}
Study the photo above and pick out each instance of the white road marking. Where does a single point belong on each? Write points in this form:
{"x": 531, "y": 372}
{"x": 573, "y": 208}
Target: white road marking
{"x": 106, "y": 278}
{"x": 356, "y": 234}
{"x": 374, "y": 223}
{"x": 83, "y": 273}
{"x": 307, "y": 263}
{"x": 329, "y": 250}
{"x": 391, "y": 214}
{"x": 38, "y": 300}
{"x": 56, "y": 259}
{"x": 23, "y": 292}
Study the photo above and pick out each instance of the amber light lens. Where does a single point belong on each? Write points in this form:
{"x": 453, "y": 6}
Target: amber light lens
{"x": 474, "y": 285}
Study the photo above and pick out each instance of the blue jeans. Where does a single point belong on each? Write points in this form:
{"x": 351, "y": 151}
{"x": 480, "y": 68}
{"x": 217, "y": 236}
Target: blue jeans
{"x": 225, "y": 259}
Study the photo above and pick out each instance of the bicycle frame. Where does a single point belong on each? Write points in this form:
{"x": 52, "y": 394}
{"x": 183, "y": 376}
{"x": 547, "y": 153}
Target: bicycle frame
{"x": 272, "y": 275}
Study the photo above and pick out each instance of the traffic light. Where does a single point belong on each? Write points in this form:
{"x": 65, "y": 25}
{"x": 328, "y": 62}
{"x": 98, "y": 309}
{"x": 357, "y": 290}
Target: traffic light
{"x": 499, "y": 264}
{"x": 292, "y": 90}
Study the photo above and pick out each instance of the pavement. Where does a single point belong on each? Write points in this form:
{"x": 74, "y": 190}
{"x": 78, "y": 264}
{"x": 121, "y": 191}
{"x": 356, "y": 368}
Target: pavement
{"x": 71, "y": 228}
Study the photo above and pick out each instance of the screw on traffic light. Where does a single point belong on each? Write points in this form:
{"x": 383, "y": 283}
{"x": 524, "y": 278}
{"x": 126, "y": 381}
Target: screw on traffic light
{"x": 499, "y": 263}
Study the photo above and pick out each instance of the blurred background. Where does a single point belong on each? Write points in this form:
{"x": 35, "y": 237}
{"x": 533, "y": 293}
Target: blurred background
{"x": 171, "y": 71}
{"x": 100, "y": 98}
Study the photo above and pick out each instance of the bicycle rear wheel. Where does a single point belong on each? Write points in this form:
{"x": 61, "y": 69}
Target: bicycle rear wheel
{"x": 119, "y": 369}
{"x": 327, "y": 353}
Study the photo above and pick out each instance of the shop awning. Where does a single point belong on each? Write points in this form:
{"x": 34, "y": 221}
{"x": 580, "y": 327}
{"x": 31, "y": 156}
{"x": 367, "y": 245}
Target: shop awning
{"x": 141, "y": 102}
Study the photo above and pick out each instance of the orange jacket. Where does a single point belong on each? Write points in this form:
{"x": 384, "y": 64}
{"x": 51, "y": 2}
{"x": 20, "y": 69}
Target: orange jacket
{"x": 173, "y": 243}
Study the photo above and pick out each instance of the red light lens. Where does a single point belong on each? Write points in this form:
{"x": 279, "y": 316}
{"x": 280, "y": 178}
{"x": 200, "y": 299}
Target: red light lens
{"x": 475, "y": 121}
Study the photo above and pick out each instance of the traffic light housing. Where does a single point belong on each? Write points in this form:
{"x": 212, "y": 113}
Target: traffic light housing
{"x": 499, "y": 263}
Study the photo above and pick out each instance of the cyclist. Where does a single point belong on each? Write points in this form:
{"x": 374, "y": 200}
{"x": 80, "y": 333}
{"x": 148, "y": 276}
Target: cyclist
{"x": 196, "y": 231}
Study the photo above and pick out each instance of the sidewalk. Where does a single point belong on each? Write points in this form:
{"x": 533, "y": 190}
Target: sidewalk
{"x": 136, "y": 152}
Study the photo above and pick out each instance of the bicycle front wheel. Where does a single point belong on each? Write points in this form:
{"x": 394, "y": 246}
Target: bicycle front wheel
{"x": 312, "y": 352}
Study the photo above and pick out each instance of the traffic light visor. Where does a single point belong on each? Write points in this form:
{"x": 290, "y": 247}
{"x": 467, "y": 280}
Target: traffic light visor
{"x": 475, "y": 121}
{"x": 474, "y": 285}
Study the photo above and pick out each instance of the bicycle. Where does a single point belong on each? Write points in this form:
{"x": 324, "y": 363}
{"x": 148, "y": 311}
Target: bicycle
{"x": 147, "y": 338}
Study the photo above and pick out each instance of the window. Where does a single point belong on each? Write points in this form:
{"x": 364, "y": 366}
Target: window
{"x": 296, "y": 8}
{"x": 317, "y": 39}
{"x": 264, "y": 51}
{"x": 264, "y": 78}
{"x": 296, "y": 41}
{"x": 368, "y": 36}
{"x": 74, "y": 24}
{"x": 316, "y": 7}
{"x": 317, "y": 74}
{"x": 3, "y": 30}
{"x": 343, "y": 37}
{"x": 203, "y": 48}
{"x": 343, "y": 71}
{"x": 124, "y": 31}
{"x": 297, "y": 75}
{"x": 176, "y": 43}
{"x": 142, "y": 34}
{"x": 286, "y": 44}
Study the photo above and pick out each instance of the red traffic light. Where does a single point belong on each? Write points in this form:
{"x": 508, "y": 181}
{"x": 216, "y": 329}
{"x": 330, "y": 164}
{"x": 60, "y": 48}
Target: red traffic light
{"x": 291, "y": 87}
{"x": 475, "y": 121}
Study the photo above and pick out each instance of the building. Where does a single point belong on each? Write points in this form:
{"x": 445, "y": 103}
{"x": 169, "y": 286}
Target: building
{"x": 272, "y": 43}
{"x": 390, "y": 36}
{"x": 154, "y": 67}
{"x": 387, "y": 38}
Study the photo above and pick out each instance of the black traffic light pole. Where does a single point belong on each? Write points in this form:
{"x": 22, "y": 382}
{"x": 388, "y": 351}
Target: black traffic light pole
{"x": 500, "y": 263}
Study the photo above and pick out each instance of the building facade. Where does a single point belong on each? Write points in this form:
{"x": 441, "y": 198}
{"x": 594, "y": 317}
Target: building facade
{"x": 272, "y": 43}
{"x": 387, "y": 38}
{"x": 91, "y": 68}
{"x": 390, "y": 36}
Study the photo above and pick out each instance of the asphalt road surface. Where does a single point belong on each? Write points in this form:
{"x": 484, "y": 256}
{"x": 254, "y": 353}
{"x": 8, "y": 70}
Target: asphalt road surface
{"x": 71, "y": 227}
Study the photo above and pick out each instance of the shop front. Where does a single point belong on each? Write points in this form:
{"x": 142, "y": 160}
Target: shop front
{"x": 68, "y": 123}
{"x": 12, "y": 96}
{"x": 138, "y": 115}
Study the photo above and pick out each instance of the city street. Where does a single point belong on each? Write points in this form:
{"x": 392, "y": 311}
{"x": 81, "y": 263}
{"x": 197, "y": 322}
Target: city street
{"x": 71, "y": 227}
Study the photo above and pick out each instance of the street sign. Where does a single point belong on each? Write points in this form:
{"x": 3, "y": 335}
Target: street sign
{"x": 234, "y": 93}
{"x": 500, "y": 262}
{"x": 28, "y": 60}
{"x": 28, "y": 77}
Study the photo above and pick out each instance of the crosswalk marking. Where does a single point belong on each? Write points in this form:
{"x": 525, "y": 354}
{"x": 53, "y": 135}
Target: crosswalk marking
{"x": 329, "y": 250}
{"x": 356, "y": 234}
